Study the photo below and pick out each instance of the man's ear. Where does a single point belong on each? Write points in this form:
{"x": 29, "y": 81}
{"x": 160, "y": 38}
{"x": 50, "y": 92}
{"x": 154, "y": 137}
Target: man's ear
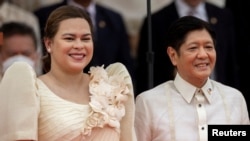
{"x": 172, "y": 54}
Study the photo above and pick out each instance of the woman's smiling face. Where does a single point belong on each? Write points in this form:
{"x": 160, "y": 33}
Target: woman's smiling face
{"x": 72, "y": 46}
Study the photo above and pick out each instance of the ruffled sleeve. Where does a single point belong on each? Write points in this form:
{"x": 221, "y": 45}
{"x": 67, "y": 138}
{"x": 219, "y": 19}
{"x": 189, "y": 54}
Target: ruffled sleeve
{"x": 112, "y": 104}
{"x": 19, "y": 104}
{"x": 127, "y": 122}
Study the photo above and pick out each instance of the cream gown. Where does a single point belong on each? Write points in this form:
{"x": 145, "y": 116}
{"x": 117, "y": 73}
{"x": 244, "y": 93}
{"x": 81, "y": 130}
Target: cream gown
{"x": 30, "y": 110}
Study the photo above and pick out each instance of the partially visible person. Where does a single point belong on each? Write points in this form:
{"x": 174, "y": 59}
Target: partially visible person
{"x": 181, "y": 109}
{"x": 133, "y": 12}
{"x": 12, "y": 13}
{"x": 65, "y": 103}
{"x": 19, "y": 44}
{"x": 111, "y": 42}
{"x": 221, "y": 21}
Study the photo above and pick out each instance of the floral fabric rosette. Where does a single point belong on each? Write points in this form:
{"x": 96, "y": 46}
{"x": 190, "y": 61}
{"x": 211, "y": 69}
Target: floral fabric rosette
{"x": 108, "y": 94}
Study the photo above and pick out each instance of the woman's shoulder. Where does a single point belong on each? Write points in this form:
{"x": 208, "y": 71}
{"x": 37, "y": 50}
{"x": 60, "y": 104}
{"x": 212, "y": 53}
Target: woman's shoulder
{"x": 18, "y": 89}
{"x": 112, "y": 69}
{"x": 19, "y": 79}
{"x": 19, "y": 71}
{"x": 118, "y": 68}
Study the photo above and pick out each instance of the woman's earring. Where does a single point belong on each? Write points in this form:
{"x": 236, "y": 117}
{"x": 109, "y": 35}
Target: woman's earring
{"x": 48, "y": 50}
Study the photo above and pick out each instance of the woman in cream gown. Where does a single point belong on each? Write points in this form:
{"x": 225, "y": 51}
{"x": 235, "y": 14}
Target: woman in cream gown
{"x": 65, "y": 104}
